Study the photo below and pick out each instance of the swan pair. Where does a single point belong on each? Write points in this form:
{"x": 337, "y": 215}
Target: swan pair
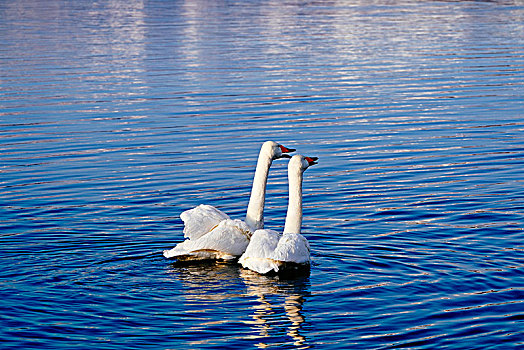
{"x": 212, "y": 234}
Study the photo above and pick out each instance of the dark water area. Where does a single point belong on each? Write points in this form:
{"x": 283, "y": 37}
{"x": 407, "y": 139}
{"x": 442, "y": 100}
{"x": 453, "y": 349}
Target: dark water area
{"x": 116, "y": 116}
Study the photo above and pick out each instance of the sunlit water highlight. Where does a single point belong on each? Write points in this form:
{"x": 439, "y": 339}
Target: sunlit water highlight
{"x": 115, "y": 116}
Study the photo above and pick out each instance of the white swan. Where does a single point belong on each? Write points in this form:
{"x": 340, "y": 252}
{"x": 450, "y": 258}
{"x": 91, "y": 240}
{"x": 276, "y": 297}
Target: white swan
{"x": 211, "y": 234}
{"x": 268, "y": 250}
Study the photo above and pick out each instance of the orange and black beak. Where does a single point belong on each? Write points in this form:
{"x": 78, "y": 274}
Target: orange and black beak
{"x": 286, "y": 150}
{"x": 312, "y": 160}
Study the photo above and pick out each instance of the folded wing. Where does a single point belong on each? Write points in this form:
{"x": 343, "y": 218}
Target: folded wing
{"x": 200, "y": 220}
{"x": 292, "y": 247}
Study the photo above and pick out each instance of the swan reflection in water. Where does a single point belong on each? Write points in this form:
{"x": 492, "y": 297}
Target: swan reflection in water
{"x": 267, "y": 321}
{"x": 273, "y": 304}
{"x": 207, "y": 280}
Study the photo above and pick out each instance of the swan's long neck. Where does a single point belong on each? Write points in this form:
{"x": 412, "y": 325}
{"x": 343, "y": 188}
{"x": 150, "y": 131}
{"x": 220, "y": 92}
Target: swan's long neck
{"x": 294, "y": 209}
{"x": 255, "y": 208}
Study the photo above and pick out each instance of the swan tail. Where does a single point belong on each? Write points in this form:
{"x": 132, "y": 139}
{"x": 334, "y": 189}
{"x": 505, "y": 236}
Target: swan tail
{"x": 260, "y": 265}
{"x": 197, "y": 255}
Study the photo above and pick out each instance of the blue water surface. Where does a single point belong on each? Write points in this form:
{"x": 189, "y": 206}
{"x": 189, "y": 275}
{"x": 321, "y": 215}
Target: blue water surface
{"x": 116, "y": 116}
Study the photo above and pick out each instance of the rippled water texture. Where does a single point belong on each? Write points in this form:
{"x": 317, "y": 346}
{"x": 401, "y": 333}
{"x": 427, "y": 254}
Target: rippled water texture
{"x": 115, "y": 116}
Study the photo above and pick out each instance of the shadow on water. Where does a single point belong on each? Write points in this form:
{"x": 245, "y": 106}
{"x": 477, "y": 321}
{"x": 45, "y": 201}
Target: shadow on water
{"x": 273, "y": 304}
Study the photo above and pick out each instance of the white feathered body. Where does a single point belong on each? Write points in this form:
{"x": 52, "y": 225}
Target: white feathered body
{"x": 269, "y": 251}
{"x": 210, "y": 234}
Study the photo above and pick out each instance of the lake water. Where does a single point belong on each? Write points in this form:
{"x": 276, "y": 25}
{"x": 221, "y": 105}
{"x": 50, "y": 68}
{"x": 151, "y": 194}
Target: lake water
{"x": 116, "y": 116}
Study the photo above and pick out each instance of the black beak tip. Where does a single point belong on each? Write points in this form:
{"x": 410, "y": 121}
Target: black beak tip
{"x": 312, "y": 160}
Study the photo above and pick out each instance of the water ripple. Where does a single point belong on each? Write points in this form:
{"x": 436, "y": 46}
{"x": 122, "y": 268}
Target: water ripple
{"x": 115, "y": 117}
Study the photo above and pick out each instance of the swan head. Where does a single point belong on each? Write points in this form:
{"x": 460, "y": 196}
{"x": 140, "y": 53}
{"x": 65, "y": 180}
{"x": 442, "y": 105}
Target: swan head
{"x": 301, "y": 163}
{"x": 275, "y": 150}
